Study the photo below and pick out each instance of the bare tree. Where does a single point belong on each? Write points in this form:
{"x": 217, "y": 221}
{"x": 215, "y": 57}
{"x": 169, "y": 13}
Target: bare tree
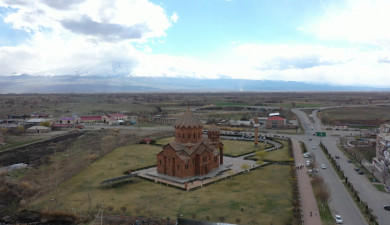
{"x": 123, "y": 209}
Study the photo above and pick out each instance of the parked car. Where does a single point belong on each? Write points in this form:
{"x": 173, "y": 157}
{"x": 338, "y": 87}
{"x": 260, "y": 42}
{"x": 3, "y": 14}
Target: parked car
{"x": 387, "y": 207}
{"x": 338, "y": 219}
{"x": 310, "y": 139}
{"x": 314, "y": 147}
{"x": 356, "y": 168}
{"x": 323, "y": 166}
{"x": 337, "y": 157}
{"x": 349, "y": 160}
{"x": 306, "y": 155}
{"x": 360, "y": 172}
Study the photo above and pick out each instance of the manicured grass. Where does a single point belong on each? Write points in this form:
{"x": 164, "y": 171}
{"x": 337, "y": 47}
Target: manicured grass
{"x": 325, "y": 213}
{"x": 270, "y": 203}
{"x": 164, "y": 141}
{"x": 380, "y": 187}
{"x": 236, "y": 148}
{"x": 216, "y": 202}
{"x": 279, "y": 154}
{"x": 232, "y": 148}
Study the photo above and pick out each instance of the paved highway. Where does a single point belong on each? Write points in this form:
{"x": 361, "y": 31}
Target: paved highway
{"x": 367, "y": 192}
{"x": 340, "y": 201}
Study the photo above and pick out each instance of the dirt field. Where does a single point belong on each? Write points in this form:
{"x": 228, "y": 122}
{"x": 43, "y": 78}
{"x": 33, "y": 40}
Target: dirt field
{"x": 368, "y": 115}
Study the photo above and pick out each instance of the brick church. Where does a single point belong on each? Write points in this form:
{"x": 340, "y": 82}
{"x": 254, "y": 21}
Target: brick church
{"x": 190, "y": 154}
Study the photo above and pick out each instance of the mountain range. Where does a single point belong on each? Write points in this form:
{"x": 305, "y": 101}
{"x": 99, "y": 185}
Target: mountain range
{"x": 102, "y": 84}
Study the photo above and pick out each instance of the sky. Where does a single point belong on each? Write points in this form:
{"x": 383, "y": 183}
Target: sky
{"x": 338, "y": 42}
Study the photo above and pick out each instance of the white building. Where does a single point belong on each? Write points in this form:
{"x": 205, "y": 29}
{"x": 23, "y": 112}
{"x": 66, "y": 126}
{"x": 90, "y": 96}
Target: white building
{"x": 382, "y": 159}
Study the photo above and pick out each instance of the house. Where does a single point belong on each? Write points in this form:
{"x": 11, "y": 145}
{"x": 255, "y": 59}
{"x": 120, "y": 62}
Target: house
{"x": 275, "y": 122}
{"x": 382, "y": 159}
{"x": 115, "y": 119}
{"x": 68, "y": 120}
{"x": 340, "y": 127}
{"x": 241, "y": 123}
{"x": 91, "y": 119}
{"x": 190, "y": 154}
{"x": 36, "y": 121}
{"x": 58, "y": 126}
{"x": 38, "y": 129}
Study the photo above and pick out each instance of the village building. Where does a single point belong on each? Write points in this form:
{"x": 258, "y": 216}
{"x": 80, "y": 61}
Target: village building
{"x": 340, "y": 127}
{"x": 38, "y": 129}
{"x": 114, "y": 119}
{"x": 68, "y": 120}
{"x": 241, "y": 123}
{"x": 275, "y": 122}
{"x": 191, "y": 154}
{"x": 382, "y": 159}
{"x": 162, "y": 119}
{"x": 37, "y": 122}
{"x": 91, "y": 119}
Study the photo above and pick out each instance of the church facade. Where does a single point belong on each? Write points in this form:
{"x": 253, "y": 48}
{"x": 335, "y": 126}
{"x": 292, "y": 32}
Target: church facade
{"x": 190, "y": 154}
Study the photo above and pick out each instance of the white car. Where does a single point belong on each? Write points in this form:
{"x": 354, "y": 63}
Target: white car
{"x": 338, "y": 219}
{"x": 323, "y": 166}
{"x": 314, "y": 147}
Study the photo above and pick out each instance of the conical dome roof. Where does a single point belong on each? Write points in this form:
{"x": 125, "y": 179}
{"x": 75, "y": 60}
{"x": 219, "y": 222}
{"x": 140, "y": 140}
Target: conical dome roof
{"x": 214, "y": 128}
{"x": 188, "y": 120}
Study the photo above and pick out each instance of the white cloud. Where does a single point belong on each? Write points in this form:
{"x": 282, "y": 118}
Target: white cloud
{"x": 174, "y": 17}
{"x": 99, "y": 37}
{"x": 364, "y": 21}
{"x": 111, "y": 16}
{"x": 81, "y": 37}
{"x": 307, "y": 63}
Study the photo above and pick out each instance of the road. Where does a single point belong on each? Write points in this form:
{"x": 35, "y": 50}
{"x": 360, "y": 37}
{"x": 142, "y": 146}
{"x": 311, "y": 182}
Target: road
{"x": 340, "y": 201}
{"x": 374, "y": 198}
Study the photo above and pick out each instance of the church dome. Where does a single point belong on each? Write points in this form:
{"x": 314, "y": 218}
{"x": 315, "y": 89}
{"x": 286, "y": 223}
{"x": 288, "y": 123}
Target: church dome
{"x": 214, "y": 128}
{"x": 188, "y": 120}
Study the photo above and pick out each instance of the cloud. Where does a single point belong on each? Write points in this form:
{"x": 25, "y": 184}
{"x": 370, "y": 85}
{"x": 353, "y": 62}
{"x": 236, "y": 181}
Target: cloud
{"x": 174, "y": 17}
{"x": 356, "y": 21}
{"x": 126, "y": 19}
{"x": 106, "y": 31}
{"x": 62, "y": 4}
{"x": 299, "y": 62}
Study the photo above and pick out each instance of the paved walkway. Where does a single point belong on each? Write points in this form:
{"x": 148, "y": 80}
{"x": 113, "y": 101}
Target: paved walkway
{"x": 308, "y": 200}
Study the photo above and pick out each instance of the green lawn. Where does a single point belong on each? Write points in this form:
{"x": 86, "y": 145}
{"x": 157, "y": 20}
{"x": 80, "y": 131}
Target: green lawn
{"x": 279, "y": 154}
{"x": 270, "y": 203}
{"x": 264, "y": 194}
{"x": 164, "y": 141}
{"x": 236, "y": 148}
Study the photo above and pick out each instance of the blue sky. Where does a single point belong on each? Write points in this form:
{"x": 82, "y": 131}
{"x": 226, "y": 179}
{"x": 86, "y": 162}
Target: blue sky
{"x": 343, "y": 42}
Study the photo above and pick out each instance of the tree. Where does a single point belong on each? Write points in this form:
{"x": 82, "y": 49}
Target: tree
{"x": 110, "y": 208}
{"x": 45, "y": 124}
{"x": 245, "y": 166}
{"x": 260, "y": 155}
{"x": 123, "y": 209}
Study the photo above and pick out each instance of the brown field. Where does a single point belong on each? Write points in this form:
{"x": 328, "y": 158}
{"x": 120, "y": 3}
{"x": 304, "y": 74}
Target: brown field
{"x": 367, "y": 115}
